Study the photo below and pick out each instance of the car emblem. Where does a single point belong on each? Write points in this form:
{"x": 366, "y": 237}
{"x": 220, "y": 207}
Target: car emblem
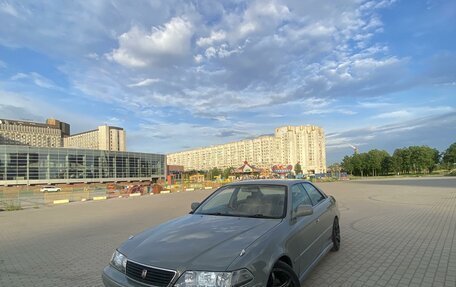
{"x": 144, "y": 274}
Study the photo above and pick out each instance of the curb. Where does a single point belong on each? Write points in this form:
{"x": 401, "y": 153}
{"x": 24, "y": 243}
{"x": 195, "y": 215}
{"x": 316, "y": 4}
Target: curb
{"x": 61, "y": 201}
{"x": 99, "y": 198}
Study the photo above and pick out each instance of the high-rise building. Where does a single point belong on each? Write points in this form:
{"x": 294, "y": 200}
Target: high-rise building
{"x": 288, "y": 146}
{"x": 33, "y": 134}
{"x": 103, "y": 138}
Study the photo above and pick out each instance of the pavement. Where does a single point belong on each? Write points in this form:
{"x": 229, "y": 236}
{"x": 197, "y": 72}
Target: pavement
{"x": 394, "y": 233}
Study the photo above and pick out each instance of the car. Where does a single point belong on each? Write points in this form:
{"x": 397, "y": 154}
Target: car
{"x": 50, "y": 188}
{"x": 249, "y": 233}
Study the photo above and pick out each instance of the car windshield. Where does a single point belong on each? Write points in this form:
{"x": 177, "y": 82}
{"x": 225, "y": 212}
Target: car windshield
{"x": 260, "y": 201}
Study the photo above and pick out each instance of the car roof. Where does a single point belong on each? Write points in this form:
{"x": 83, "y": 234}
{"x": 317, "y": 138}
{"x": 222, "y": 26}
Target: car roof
{"x": 287, "y": 182}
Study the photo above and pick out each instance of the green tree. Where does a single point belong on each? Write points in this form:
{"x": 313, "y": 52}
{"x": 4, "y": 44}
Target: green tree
{"x": 298, "y": 168}
{"x": 387, "y": 165}
{"x": 227, "y": 172}
{"x": 347, "y": 164}
{"x": 423, "y": 158}
{"x": 375, "y": 158}
{"x": 401, "y": 160}
{"x": 449, "y": 157}
{"x": 213, "y": 172}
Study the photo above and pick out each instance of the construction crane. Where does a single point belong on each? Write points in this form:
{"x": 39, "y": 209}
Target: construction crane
{"x": 355, "y": 149}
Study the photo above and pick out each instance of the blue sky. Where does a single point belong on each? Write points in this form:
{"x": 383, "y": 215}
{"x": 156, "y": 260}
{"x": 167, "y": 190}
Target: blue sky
{"x": 183, "y": 74}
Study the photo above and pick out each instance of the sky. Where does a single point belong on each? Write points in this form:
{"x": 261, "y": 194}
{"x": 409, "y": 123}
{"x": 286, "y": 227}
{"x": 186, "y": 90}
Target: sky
{"x": 183, "y": 74}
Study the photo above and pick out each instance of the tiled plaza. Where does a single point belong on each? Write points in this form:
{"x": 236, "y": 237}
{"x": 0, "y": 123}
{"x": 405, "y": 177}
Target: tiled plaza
{"x": 395, "y": 233}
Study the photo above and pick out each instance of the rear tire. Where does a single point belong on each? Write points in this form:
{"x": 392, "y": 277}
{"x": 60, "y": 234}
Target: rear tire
{"x": 282, "y": 275}
{"x": 335, "y": 235}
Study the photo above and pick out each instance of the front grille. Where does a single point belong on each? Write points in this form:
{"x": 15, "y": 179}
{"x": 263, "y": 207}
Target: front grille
{"x": 154, "y": 277}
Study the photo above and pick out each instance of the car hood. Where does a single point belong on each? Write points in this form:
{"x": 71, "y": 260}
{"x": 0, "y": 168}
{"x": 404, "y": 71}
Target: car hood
{"x": 196, "y": 242}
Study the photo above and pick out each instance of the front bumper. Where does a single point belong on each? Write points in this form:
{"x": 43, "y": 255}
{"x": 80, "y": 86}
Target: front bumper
{"x": 114, "y": 278}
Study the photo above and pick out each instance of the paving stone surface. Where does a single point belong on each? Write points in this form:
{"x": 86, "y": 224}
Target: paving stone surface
{"x": 394, "y": 232}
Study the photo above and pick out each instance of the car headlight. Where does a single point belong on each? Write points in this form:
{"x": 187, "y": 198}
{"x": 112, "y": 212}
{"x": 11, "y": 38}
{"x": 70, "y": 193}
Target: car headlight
{"x": 214, "y": 279}
{"x": 119, "y": 261}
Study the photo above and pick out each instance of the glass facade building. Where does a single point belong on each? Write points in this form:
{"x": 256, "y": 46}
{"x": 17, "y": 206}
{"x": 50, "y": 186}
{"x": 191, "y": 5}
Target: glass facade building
{"x": 33, "y": 165}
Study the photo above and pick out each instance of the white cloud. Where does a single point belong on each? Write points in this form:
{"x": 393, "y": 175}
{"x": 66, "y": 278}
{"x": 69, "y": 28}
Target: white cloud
{"x": 215, "y": 37}
{"x": 140, "y": 48}
{"x": 394, "y": 115}
{"x": 20, "y": 106}
{"x": 143, "y": 83}
{"x": 36, "y": 78}
{"x": 408, "y": 113}
{"x": 9, "y": 9}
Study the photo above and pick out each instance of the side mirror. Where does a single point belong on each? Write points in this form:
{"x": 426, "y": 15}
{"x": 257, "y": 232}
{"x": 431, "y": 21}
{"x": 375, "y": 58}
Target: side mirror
{"x": 195, "y": 205}
{"x": 303, "y": 210}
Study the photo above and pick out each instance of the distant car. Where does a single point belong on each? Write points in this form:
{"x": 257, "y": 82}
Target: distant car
{"x": 50, "y": 188}
{"x": 262, "y": 233}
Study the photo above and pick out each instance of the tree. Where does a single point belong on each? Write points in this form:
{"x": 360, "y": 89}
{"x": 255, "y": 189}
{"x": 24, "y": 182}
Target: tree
{"x": 213, "y": 173}
{"x": 298, "y": 168}
{"x": 347, "y": 164}
{"x": 227, "y": 172}
{"x": 334, "y": 169}
{"x": 387, "y": 165}
{"x": 449, "y": 156}
{"x": 375, "y": 158}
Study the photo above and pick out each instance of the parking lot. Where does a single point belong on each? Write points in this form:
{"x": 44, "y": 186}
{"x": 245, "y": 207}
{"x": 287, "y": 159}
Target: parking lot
{"x": 398, "y": 232}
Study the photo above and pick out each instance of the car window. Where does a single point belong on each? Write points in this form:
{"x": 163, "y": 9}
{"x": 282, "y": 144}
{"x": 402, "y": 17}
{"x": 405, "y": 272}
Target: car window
{"x": 265, "y": 201}
{"x": 219, "y": 201}
{"x": 246, "y": 191}
{"x": 314, "y": 194}
{"x": 299, "y": 196}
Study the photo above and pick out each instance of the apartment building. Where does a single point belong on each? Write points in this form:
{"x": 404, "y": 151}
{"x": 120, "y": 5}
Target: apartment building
{"x": 49, "y": 134}
{"x": 288, "y": 146}
{"x": 103, "y": 138}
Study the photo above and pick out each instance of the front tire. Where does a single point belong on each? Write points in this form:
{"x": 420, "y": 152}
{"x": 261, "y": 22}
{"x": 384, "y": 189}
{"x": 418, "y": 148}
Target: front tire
{"x": 335, "y": 235}
{"x": 282, "y": 275}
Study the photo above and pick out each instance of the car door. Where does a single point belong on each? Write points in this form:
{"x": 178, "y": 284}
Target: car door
{"x": 322, "y": 205}
{"x": 303, "y": 231}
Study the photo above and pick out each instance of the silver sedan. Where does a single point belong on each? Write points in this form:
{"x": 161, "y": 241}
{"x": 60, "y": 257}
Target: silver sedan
{"x": 251, "y": 233}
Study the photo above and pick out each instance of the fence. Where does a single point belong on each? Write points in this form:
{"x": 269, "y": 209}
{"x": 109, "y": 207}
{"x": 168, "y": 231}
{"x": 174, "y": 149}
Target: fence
{"x": 19, "y": 197}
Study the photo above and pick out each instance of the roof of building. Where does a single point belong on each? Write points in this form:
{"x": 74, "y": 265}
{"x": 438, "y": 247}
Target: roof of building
{"x": 26, "y": 123}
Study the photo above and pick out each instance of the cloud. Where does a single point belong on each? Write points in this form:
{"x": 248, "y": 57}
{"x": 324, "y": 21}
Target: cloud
{"x": 230, "y": 66}
{"x": 411, "y": 112}
{"x": 394, "y": 115}
{"x": 34, "y": 108}
{"x": 143, "y": 83}
{"x": 37, "y": 79}
{"x": 9, "y": 9}
{"x": 139, "y": 48}
{"x": 432, "y": 131}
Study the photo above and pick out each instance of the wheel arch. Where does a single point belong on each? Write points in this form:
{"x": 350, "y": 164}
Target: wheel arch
{"x": 285, "y": 259}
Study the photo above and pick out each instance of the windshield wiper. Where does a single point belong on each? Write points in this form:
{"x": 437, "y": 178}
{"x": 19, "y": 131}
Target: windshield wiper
{"x": 216, "y": 214}
{"x": 259, "y": 215}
